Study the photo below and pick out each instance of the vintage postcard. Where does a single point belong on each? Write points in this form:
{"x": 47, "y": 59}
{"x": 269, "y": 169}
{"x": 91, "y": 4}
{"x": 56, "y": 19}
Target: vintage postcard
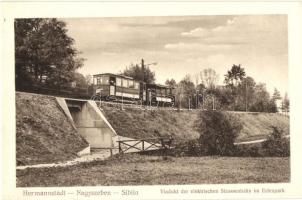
{"x": 155, "y": 100}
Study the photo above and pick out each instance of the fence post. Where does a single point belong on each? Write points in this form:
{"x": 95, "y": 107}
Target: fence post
{"x": 119, "y": 147}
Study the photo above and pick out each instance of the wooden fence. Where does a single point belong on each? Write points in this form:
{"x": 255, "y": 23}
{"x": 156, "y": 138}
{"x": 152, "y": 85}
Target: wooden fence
{"x": 144, "y": 144}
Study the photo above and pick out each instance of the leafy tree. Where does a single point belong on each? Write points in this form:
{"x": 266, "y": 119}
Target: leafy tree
{"x": 172, "y": 83}
{"x": 88, "y": 79}
{"x": 80, "y": 80}
{"x": 276, "y": 144}
{"x": 218, "y": 131}
{"x": 261, "y": 101}
{"x": 232, "y": 80}
{"x": 44, "y": 51}
{"x": 235, "y": 75}
{"x": 136, "y": 72}
{"x": 245, "y": 93}
{"x": 285, "y": 103}
{"x": 185, "y": 92}
{"x": 276, "y": 95}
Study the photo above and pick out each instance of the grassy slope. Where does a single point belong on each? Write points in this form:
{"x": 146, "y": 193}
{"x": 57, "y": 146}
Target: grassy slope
{"x": 150, "y": 170}
{"x": 141, "y": 124}
{"x": 258, "y": 125}
{"x": 43, "y": 133}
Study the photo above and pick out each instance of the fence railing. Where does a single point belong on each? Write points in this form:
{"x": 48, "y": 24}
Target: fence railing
{"x": 144, "y": 144}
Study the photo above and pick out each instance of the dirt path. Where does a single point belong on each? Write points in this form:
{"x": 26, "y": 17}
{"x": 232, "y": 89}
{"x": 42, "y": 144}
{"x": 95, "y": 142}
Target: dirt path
{"x": 99, "y": 154}
{"x": 255, "y": 141}
{"x": 96, "y": 155}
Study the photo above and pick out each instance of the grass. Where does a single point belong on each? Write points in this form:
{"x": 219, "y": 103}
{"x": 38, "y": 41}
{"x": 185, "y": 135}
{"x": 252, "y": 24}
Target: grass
{"x": 43, "y": 132}
{"x": 133, "y": 169}
{"x": 258, "y": 125}
{"x": 138, "y": 124}
{"x": 182, "y": 125}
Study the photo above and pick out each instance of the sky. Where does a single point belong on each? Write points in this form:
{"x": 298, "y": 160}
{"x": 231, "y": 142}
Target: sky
{"x": 183, "y": 45}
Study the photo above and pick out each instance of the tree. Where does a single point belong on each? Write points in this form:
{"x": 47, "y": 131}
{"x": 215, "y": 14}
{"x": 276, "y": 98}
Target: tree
{"x": 276, "y": 144}
{"x": 171, "y": 83}
{"x": 261, "y": 101}
{"x": 218, "y": 131}
{"x": 88, "y": 79}
{"x": 276, "y": 95}
{"x": 80, "y": 80}
{"x": 235, "y": 75}
{"x": 285, "y": 103}
{"x": 136, "y": 72}
{"x": 44, "y": 51}
{"x": 209, "y": 78}
{"x": 185, "y": 92}
{"x": 245, "y": 93}
{"x": 233, "y": 79}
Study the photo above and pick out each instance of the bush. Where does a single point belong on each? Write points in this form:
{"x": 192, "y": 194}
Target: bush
{"x": 276, "y": 144}
{"x": 218, "y": 131}
{"x": 249, "y": 150}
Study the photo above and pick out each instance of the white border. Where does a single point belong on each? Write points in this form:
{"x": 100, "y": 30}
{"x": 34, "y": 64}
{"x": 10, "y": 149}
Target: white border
{"x": 12, "y": 10}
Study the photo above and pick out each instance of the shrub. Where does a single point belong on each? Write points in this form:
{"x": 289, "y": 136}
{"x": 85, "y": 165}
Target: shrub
{"x": 276, "y": 144}
{"x": 249, "y": 150}
{"x": 218, "y": 131}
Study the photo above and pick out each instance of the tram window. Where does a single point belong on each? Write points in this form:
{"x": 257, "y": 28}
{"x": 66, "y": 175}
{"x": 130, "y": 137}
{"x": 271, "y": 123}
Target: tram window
{"x": 125, "y": 83}
{"x": 165, "y": 92}
{"x": 130, "y": 82}
{"x": 105, "y": 80}
{"x": 136, "y": 85}
{"x": 118, "y": 82}
{"x": 98, "y": 80}
{"x": 158, "y": 91}
{"x": 168, "y": 91}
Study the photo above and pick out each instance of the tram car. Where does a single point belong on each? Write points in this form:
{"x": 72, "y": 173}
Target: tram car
{"x": 159, "y": 95}
{"x": 120, "y": 88}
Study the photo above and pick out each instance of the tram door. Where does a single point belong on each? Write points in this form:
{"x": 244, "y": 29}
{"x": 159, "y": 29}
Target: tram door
{"x": 112, "y": 90}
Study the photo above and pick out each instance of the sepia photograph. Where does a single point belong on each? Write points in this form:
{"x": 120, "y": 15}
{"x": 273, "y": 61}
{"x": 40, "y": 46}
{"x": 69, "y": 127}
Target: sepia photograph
{"x": 152, "y": 100}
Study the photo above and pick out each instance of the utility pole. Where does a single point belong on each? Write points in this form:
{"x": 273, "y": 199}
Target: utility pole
{"x": 213, "y": 102}
{"x": 143, "y": 70}
{"x": 196, "y": 99}
{"x": 143, "y": 65}
{"x": 203, "y": 99}
{"x": 245, "y": 96}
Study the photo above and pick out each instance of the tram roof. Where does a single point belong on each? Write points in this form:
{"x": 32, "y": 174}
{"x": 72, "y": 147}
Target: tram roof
{"x": 159, "y": 86}
{"x": 110, "y": 74}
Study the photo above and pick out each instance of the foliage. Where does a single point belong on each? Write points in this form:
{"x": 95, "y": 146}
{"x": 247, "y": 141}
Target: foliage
{"x": 80, "y": 80}
{"x": 261, "y": 101}
{"x": 245, "y": 94}
{"x": 276, "y": 144}
{"x": 185, "y": 92}
{"x": 285, "y": 104}
{"x": 209, "y": 78}
{"x": 218, "y": 132}
{"x": 88, "y": 79}
{"x": 136, "y": 72}
{"x": 235, "y": 75}
{"x": 44, "y": 52}
{"x": 276, "y": 95}
{"x": 171, "y": 83}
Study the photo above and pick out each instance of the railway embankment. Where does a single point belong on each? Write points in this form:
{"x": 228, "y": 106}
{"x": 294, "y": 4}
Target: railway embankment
{"x": 43, "y": 132}
{"x": 139, "y": 124}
